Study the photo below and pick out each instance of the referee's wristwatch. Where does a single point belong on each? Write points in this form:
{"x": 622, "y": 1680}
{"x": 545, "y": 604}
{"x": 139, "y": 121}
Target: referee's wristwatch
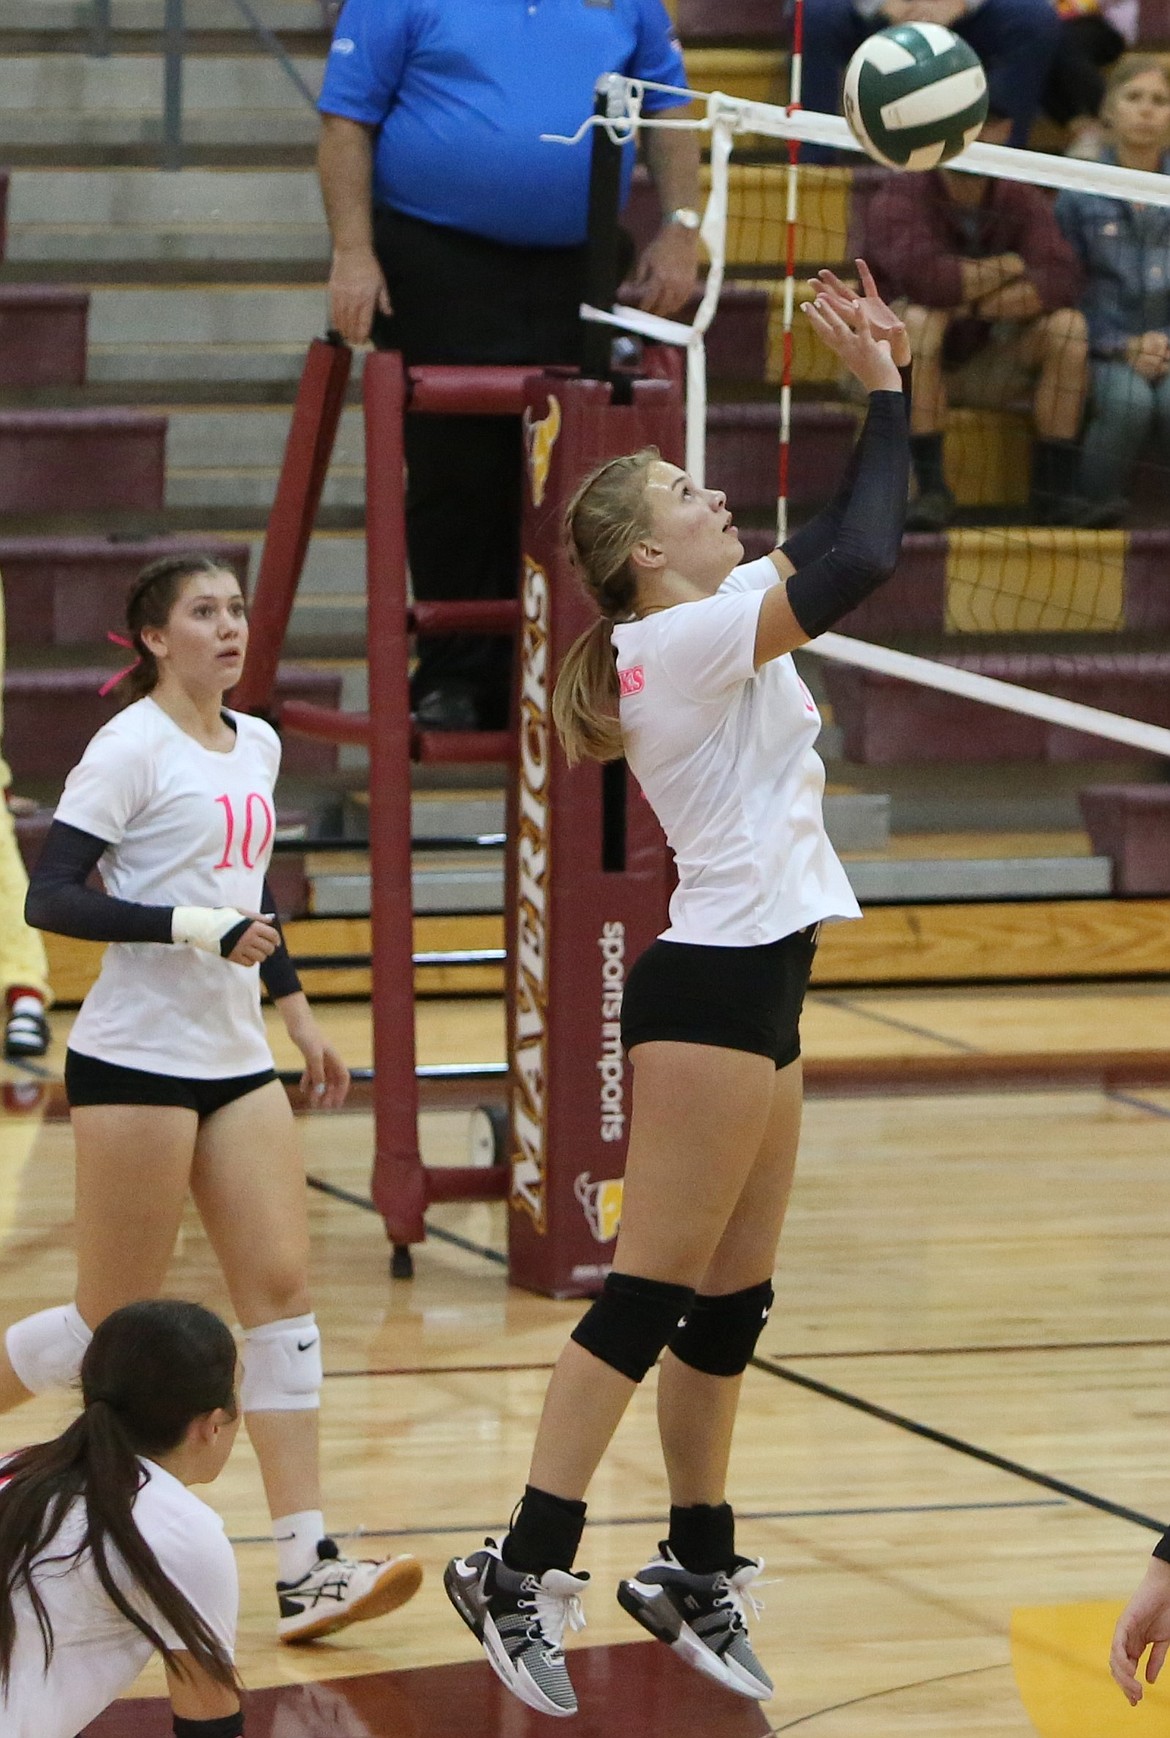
{"x": 685, "y": 216}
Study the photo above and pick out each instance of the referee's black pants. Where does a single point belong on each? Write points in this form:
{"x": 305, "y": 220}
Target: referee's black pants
{"x": 459, "y": 298}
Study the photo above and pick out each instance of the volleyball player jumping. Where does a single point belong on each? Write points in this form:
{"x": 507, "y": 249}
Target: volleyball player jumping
{"x": 169, "y": 1075}
{"x": 687, "y": 674}
{"x": 105, "y": 1556}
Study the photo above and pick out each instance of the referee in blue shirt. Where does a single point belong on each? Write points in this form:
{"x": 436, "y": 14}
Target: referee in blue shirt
{"x": 458, "y": 237}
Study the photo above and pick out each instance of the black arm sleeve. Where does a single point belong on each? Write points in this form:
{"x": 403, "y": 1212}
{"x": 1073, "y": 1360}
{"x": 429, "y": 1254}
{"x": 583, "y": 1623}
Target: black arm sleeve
{"x": 865, "y": 545}
{"x": 277, "y": 972}
{"x": 809, "y": 542}
{"x": 59, "y": 900}
{"x": 227, "y": 1726}
{"x": 1162, "y": 1548}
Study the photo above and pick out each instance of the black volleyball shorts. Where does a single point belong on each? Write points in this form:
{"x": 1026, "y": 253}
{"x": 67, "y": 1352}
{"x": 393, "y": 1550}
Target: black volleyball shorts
{"x": 91, "y": 1081}
{"x": 739, "y": 998}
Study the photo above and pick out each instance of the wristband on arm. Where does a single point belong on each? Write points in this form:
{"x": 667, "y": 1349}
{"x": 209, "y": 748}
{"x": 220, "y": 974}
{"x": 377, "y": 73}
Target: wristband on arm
{"x": 277, "y": 972}
{"x": 214, "y": 929}
{"x": 865, "y": 545}
{"x": 226, "y": 1726}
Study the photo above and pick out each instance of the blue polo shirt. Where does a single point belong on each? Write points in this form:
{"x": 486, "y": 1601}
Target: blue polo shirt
{"x": 461, "y": 91}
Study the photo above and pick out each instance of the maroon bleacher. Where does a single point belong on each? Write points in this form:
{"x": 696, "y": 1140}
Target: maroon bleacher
{"x": 66, "y": 591}
{"x": 81, "y": 461}
{"x": 1153, "y": 23}
{"x": 42, "y": 335}
{"x": 743, "y": 452}
{"x": 1131, "y": 825}
{"x": 887, "y": 722}
{"x": 761, "y": 22}
{"x": 50, "y": 715}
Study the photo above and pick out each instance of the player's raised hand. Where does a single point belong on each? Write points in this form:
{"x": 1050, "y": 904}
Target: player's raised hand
{"x": 882, "y": 318}
{"x": 1145, "y": 1623}
{"x": 848, "y": 334}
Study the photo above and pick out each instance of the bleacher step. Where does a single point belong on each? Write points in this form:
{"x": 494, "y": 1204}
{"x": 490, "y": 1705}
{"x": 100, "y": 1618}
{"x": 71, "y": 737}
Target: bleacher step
{"x": 51, "y": 713}
{"x": 63, "y": 591}
{"x": 897, "y": 881}
{"x": 452, "y": 882}
{"x": 78, "y": 461}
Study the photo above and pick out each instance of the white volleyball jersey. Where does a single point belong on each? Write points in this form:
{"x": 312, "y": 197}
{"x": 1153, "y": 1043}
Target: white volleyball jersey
{"x": 97, "y": 1653}
{"x": 724, "y": 754}
{"x": 185, "y": 825}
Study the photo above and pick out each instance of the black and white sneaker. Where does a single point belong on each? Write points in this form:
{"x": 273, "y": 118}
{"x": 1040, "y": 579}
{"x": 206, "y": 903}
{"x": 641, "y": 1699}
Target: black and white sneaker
{"x": 520, "y": 1620}
{"x": 339, "y": 1591}
{"x": 26, "y": 1032}
{"x": 702, "y": 1618}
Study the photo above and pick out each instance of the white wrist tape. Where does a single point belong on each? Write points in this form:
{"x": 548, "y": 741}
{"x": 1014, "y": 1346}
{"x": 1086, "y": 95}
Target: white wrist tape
{"x": 204, "y": 926}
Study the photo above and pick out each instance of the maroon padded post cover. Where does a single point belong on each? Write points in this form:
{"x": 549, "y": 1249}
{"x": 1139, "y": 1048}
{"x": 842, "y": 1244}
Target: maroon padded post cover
{"x": 588, "y": 872}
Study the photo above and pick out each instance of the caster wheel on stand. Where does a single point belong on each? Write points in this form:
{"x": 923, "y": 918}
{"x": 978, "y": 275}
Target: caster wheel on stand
{"x": 488, "y": 1135}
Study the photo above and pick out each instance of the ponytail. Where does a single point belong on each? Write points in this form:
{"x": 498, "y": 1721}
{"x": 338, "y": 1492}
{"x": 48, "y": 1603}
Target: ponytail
{"x": 585, "y": 699}
{"x": 605, "y": 519}
{"x": 150, "y": 1370}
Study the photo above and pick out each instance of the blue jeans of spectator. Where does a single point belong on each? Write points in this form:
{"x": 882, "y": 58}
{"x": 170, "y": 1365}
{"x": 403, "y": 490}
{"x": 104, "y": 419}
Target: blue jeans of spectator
{"x": 1015, "y": 40}
{"x": 1124, "y": 411}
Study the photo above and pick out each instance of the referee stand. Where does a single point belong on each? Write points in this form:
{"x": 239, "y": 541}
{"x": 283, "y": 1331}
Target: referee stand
{"x": 587, "y": 869}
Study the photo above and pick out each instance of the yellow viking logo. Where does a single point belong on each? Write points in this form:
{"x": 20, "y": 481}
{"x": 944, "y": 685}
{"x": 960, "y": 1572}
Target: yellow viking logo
{"x": 603, "y": 1205}
{"x": 540, "y": 437}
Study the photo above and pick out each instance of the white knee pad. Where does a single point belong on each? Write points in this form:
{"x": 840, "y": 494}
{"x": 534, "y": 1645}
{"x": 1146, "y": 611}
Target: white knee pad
{"x": 46, "y": 1350}
{"x": 282, "y": 1366}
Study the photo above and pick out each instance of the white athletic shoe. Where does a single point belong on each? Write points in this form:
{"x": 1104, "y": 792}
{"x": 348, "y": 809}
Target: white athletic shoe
{"x": 702, "y": 1618}
{"x": 520, "y": 1621}
{"x": 339, "y": 1591}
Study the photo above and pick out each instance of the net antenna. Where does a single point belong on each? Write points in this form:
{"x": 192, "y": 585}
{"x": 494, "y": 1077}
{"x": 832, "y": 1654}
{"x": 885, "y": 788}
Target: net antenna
{"x": 619, "y": 115}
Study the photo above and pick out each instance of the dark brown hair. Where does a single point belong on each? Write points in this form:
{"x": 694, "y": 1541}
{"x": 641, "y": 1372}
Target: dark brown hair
{"x": 606, "y": 517}
{"x": 149, "y": 1371}
{"x": 149, "y": 604}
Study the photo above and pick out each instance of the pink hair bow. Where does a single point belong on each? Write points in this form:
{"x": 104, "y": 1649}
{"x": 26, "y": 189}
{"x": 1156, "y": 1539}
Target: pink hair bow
{"x": 112, "y": 682}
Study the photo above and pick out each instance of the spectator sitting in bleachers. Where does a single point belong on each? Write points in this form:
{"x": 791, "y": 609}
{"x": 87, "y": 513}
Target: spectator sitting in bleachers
{"x": 1094, "y": 35}
{"x": 1015, "y": 40}
{"x": 988, "y": 288}
{"x": 1125, "y": 251}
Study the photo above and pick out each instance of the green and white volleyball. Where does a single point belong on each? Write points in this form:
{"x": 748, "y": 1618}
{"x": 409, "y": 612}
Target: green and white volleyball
{"x": 915, "y": 95}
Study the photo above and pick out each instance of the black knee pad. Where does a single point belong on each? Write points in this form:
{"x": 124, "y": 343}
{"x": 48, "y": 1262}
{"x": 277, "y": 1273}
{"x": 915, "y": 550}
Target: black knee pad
{"x": 719, "y": 1334}
{"x": 632, "y": 1321}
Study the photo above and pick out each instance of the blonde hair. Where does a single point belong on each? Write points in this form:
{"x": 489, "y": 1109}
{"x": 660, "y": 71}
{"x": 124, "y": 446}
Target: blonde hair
{"x": 1129, "y": 67}
{"x": 606, "y": 517}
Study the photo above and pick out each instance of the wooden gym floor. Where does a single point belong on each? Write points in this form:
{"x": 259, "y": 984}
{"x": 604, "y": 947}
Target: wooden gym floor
{"x": 952, "y": 1449}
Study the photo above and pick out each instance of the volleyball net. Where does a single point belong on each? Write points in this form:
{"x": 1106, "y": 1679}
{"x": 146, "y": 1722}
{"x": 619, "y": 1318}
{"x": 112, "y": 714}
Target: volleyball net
{"x": 1035, "y": 578}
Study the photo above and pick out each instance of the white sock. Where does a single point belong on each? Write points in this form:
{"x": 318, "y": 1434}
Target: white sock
{"x": 297, "y": 1537}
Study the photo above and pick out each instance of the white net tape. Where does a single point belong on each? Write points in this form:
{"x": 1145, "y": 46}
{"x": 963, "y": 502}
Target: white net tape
{"x": 724, "y": 118}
